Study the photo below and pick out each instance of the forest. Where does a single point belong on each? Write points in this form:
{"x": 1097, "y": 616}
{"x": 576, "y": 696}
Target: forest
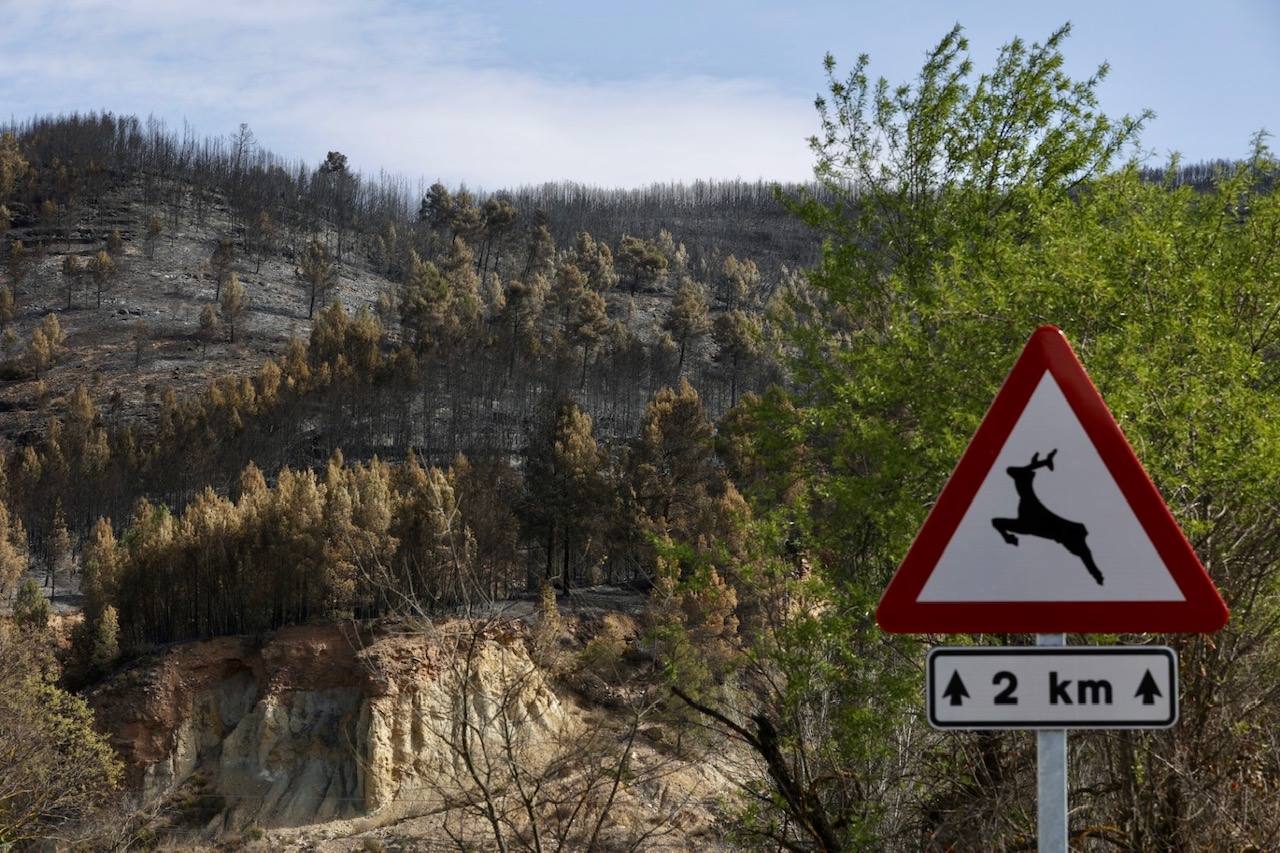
{"x": 737, "y": 399}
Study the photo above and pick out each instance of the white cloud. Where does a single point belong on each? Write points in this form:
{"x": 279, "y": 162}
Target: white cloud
{"x": 396, "y": 87}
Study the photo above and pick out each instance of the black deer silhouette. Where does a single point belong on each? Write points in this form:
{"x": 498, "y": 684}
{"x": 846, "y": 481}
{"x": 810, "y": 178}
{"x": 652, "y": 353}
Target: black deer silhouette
{"x": 1035, "y": 519}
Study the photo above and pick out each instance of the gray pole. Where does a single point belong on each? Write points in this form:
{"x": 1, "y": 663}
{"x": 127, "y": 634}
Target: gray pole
{"x": 1051, "y": 784}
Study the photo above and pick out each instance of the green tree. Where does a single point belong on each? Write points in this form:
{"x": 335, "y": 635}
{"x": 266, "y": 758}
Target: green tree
{"x": 960, "y": 212}
{"x": 687, "y": 319}
{"x": 31, "y": 610}
{"x": 55, "y": 768}
{"x": 424, "y": 305}
{"x": 737, "y": 337}
{"x": 564, "y": 483}
{"x": 644, "y": 261}
{"x": 588, "y": 326}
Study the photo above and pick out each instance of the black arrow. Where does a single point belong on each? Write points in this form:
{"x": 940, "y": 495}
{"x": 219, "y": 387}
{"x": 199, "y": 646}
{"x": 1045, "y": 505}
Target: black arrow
{"x": 955, "y": 690}
{"x": 1148, "y": 690}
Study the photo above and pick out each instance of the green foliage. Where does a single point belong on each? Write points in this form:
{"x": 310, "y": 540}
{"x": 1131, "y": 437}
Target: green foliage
{"x": 967, "y": 210}
{"x": 31, "y": 610}
{"x": 54, "y": 767}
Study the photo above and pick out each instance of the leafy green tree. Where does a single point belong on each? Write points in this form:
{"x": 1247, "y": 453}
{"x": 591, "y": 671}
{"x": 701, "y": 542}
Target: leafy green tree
{"x": 961, "y": 212}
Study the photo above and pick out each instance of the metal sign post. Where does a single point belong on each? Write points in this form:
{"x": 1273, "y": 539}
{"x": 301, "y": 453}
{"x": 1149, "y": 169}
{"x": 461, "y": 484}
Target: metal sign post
{"x": 1051, "y": 773}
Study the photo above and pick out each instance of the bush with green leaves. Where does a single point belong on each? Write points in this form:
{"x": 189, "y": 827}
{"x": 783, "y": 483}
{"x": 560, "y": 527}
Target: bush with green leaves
{"x": 964, "y": 210}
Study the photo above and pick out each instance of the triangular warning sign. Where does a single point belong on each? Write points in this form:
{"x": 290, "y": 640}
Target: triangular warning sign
{"x": 1049, "y": 524}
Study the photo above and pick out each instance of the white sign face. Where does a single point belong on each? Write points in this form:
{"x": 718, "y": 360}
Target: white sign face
{"x": 1048, "y": 687}
{"x": 1049, "y": 523}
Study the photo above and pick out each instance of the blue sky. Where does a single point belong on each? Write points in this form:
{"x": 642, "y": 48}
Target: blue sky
{"x": 498, "y": 93}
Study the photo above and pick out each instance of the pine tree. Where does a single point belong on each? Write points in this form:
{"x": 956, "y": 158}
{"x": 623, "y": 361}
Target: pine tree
{"x": 264, "y": 238}
{"x": 646, "y": 262}
{"x": 540, "y": 254}
{"x": 31, "y": 610}
{"x": 208, "y": 322}
{"x": 58, "y": 548}
{"x": 103, "y": 269}
{"x": 106, "y": 640}
{"x": 316, "y": 273}
{"x": 741, "y": 282}
{"x": 687, "y": 319}
{"x": 425, "y": 305}
{"x": 19, "y": 263}
{"x": 232, "y": 304}
{"x": 588, "y": 326}
{"x": 46, "y": 345}
{"x": 596, "y": 260}
{"x": 13, "y": 166}
{"x": 564, "y": 482}
{"x": 737, "y": 337}
{"x": 13, "y": 552}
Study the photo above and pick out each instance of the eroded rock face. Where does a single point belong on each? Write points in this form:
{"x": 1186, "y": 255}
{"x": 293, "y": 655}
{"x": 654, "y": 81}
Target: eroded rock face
{"x": 316, "y": 724}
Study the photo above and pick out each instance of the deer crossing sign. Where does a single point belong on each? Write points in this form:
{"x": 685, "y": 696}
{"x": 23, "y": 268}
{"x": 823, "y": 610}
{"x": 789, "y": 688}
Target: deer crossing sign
{"x": 1050, "y": 524}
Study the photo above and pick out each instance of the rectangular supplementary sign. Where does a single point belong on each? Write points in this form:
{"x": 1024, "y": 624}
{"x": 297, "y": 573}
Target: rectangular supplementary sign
{"x": 1047, "y": 687}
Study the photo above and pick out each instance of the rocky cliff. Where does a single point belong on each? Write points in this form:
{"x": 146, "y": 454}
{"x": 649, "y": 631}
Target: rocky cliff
{"x": 317, "y": 723}
{"x": 324, "y": 738}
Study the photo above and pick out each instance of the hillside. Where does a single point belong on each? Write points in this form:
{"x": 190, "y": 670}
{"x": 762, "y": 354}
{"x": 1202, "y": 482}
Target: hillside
{"x": 160, "y": 286}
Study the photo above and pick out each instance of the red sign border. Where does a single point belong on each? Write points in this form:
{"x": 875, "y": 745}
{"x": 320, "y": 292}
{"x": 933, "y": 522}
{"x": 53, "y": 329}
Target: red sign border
{"x": 1203, "y": 609}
